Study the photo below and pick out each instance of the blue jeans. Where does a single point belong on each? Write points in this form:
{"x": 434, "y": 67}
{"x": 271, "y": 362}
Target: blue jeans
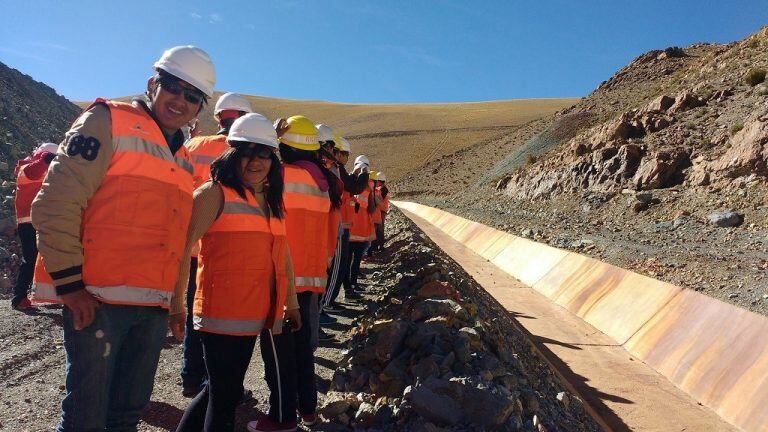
{"x": 192, "y": 365}
{"x": 111, "y": 367}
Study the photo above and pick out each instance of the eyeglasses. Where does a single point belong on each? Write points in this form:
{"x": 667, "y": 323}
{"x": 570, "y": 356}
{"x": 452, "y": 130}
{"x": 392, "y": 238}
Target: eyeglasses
{"x": 172, "y": 86}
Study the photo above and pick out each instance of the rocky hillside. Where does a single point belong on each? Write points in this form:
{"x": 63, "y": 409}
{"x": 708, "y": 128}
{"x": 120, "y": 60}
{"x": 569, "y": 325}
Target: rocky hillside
{"x": 30, "y": 113}
{"x": 661, "y": 169}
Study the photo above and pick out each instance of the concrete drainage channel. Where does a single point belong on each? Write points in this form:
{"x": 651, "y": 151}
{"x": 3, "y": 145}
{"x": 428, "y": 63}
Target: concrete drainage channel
{"x": 644, "y": 354}
{"x": 437, "y": 353}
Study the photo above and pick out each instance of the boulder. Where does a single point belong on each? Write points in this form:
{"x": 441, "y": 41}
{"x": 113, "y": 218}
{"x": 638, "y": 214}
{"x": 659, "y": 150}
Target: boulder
{"x": 660, "y": 104}
{"x": 685, "y": 101}
{"x": 661, "y": 169}
{"x": 726, "y": 219}
{"x": 431, "y": 307}
{"x": 335, "y": 404}
{"x": 437, "y": 289}
{"x": 433, "y": 400}
{"x": 748, "y": 152}
{"x": 389, "y": 338}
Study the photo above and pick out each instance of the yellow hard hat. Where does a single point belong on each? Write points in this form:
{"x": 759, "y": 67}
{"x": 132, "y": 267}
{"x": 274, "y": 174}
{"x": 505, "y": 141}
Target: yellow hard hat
{"x": 373, "y": 175}
{"x": 301, "y": 134}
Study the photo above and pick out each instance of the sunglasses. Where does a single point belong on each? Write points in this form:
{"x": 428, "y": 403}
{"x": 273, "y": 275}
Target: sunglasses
{"x": 258, "y": 151}
{"x": 174, "y": 87}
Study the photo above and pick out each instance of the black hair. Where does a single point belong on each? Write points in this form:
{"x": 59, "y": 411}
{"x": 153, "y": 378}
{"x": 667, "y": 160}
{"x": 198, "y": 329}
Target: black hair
{"x": 226, "y": 171}
{"x": 290, "y": 155}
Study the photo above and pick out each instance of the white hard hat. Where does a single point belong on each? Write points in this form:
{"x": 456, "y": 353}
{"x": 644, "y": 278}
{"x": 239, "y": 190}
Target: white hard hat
{"x": 362, "y": 159}
{"x": 381, "y": 177}
{"x": 253, "y": 128}
{"x": 48, "y": 147}
{"x": 232, "y": 101}
{"x": 190, "y": 64}
{"x": 324, "y": 132}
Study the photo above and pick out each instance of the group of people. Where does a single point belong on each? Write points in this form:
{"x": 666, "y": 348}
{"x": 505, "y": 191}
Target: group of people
{"x": 243, "y": 235}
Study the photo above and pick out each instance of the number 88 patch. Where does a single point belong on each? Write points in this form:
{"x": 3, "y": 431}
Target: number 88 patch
{"x": 87, "y": 147}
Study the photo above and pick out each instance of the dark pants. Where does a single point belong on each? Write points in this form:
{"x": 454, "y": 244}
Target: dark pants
{"x": 334, "y": 274}
{"x": 111, "y": 367}
{"x": 289, "y": 366}
{"x": 344, "y": 264}
{"x": 378, "y": 244}
{"x": 28, "y": 239}
{"x": 226, "y": 359}
{"x": 192, "y": 365}
{"x": 357, "y": 249}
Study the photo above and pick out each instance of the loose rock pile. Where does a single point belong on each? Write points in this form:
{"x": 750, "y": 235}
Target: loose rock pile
{"x": 441, "y": 355}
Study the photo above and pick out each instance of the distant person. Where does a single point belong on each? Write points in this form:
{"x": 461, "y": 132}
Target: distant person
{"x": 373, "y": 245}
{"x": 310, "y": 194}
{"x": 30, "y": 173}
{"x": 361, "y": 233}
{"x": 245, "y": 276}
{"x": 203, "y": 150}
{"x": 112, "y": 219}
{"x": 383, "y": 208}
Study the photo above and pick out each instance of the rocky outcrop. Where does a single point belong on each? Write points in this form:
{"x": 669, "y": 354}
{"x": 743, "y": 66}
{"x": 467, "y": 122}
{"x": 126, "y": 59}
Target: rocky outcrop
{"x": 745, "y": 158}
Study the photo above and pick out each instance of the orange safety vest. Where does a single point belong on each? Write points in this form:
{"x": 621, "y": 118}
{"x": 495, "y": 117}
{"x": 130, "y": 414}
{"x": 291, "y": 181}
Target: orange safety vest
{"x": 242, "y": 255}
{"x": 347, "y": 210}
{"x": 43, "y": 290}
{"x": 203, "y": 151}
{"x": 135, "y": 225}
{"x": 26, "y": 190}
{"x": 384, "y": 206}
{"x": 362, "y": 224}
{"x": 307, "y": 213}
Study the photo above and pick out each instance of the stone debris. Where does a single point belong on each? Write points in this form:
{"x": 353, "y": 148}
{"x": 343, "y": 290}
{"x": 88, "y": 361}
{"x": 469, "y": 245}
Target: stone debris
{"x": 442, "y": 358}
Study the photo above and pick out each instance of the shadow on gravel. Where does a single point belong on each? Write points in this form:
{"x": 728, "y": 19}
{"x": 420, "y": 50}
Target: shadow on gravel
{"x": 329, "y": 364}
{"x": 162, "y": 415}
{"x": 323, "y": 385}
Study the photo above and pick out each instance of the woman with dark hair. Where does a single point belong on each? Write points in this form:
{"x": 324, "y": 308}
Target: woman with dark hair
{"x": 310, "y": 194}
{"x": 245, "y": 276}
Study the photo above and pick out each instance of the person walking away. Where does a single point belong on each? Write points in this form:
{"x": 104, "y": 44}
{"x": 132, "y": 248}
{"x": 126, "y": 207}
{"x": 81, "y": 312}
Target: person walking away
{"x": 309, "y": 195}
{"x": 203, "y": 150}
{"x": 30, "y": 173}
{"x": 362, "y": 224}
{"x": 245, "y": 276}
{"x": 111, "y": 219}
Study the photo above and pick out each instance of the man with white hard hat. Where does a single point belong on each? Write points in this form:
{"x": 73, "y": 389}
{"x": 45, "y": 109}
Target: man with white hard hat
{"x": 30, "y": 173}
{"x": 112, "y": 218}
{"x": 203, "y": 150}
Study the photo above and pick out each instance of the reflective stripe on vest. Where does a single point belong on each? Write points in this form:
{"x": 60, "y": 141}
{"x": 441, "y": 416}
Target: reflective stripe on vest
{"x": 227, "y": 326}
{"x": 242, "y": 260}
{"x": 26, "y": 190}
{"x": 307, "y": 213}
{"x": 135, "y": 224}
{"x": 43, "y": 290}
{"x": 203, "y": 151}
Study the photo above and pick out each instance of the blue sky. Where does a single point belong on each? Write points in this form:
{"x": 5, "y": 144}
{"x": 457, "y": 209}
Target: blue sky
{"x": 360, "y": 51}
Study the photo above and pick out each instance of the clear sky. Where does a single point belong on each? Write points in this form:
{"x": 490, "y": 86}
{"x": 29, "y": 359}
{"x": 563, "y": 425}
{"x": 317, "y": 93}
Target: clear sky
{"x": 361, "y": 51}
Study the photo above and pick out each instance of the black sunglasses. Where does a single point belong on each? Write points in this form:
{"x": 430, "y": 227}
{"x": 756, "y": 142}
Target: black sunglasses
{"x": 172, "y": 86}
{"x": 258, "y": 151}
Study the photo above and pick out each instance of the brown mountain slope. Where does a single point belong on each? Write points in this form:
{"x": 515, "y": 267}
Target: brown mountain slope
{"x": 401, "y": 138}
{"x": 30, "y": 113}
{"x": 634, "y": 172}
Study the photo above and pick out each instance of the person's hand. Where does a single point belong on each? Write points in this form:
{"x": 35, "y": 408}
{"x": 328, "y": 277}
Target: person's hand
{"x": 176, "y": 323}
{"x": 83, "y": 307}
{"x": 295, "y": 317}
{"x": 281, "y": 127}
{"x": 194, "y": 128}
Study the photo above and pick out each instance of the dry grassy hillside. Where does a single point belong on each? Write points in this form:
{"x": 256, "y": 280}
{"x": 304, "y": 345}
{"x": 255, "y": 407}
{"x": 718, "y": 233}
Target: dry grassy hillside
{"x": 400, "y": 138}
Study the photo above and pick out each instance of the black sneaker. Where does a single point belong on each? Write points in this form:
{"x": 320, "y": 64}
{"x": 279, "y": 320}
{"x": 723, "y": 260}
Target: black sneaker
{"x": 352, "y": 295}
{"x": 334, "y": 308}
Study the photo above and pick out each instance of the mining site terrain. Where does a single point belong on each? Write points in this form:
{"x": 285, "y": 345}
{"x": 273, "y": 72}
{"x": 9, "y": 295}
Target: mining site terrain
{"x": 662, "y": 169}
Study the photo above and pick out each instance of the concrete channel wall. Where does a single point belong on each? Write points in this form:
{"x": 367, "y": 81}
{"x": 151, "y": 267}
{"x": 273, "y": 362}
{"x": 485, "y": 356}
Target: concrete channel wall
{"x": 714, "y": 351}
